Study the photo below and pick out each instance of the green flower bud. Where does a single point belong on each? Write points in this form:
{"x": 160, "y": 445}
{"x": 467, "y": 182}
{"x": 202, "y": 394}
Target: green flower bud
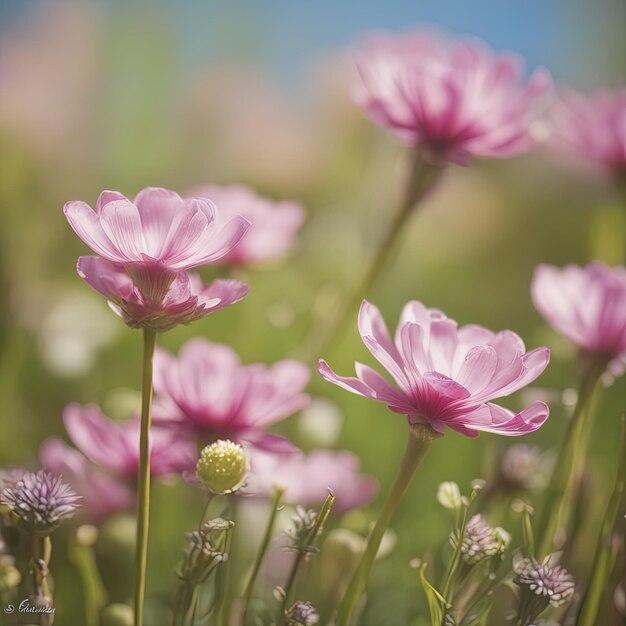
{"x": 118, "y": 615}
{"x": 222, "y": 467}
{"x": 10, "y": 577}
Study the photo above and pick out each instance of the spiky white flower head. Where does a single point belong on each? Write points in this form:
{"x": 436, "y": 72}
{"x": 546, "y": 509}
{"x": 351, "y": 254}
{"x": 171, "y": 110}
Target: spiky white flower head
{"x": 40, "y": 501}
{"x": 480, "y": 541}
{"x": 552, "y": 583}
{"x": 449, "y": 496}
{"x": 222, "y": 467}
{"x": 302, "y": 614}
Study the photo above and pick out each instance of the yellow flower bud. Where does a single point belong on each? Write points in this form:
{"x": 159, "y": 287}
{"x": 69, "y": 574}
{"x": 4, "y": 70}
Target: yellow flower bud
{"x": 222, "y": 467}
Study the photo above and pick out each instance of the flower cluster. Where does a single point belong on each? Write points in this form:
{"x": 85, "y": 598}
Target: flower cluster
{"x": 480, "y": 541}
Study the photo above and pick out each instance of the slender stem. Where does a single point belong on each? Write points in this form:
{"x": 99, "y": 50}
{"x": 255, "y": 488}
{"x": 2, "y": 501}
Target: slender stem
{"x": 225, "y": 599}
{"x": 558, "y": 490}
{"x": 265, "y": 542}
{"x": 418, "y": 443}
{"x": 423, "y": 178}
{"x": 603, "y": 560}
{"x": 318, "y": 526}
{"x": 41, "y": 551}
{"x": 456, "y": 557}
{"x": 143, "y": 514}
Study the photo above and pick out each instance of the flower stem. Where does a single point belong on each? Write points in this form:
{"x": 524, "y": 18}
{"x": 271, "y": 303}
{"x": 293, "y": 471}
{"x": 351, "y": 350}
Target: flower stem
{"x": 423, "y": 178}
{"x": 420, "y": 438}
{"x": 320, "y": 520}
{"x": 41, "y": 551}
{"x": 265, "y": 542}
{"x": 143, "y": 514}
{"x": 604, "y": 559}
{"x": 557, "y": 492}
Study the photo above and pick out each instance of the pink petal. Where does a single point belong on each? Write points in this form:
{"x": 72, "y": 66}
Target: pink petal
{"x": 121, "y": 223}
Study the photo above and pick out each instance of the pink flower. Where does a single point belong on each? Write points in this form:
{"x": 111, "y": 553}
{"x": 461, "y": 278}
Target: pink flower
{"x": 115, "y": 445}
{"x": 307, "y": 478}
{"x": 446, "y": 375}
{"x": 592, "y": 128}
{"x": 587, "y": 305}
{"x": 156, "y": 236}
{"x": 452, "y": 100}
{"x": 102, "y": 494}
{"x": 185, "y": 300}
{"x": 208, "y": 391}
{"x": 274, "y": 225}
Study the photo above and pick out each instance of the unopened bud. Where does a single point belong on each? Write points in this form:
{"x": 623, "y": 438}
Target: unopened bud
{"x": 118, "y": 615}
{"x": 222, "y": 467}
{"x": 449, "y": 496}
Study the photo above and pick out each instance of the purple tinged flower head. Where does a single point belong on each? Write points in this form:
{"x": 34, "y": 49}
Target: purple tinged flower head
{"x": 591, "y": 128}
{"x": 450, "y": 99}
{"x": 302, "y": 614}
{"x": 588, "y": 306}
{"x": 209, "y": 393}
{"x": 115, "y": 445}
{"x": 542, "y": 584}
{"x": 103, "y": 494}
{"x": 446, "y": 376}
{"x": 273, "y": 225}
{"x": 41, "y": 501}
{"x": 146, "y": 246}
{"x": 480, "y": 541}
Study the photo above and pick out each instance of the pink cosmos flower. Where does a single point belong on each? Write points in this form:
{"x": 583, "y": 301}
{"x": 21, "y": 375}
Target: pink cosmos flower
{"x": 209, "y": 392}
{"x": 115, "y": 445}
{"x": 307, "y": 478}
{"x": 453, "y": 100}
{"x": 156, "y": 236}
{"x": 186, "y": 299}
{"x": 102, "y": 494}
{"x": 592, "y": 128}
{"x": 587, "y": 305}
{"x": 274, "y": 225}
{"x": 445, "y": 375}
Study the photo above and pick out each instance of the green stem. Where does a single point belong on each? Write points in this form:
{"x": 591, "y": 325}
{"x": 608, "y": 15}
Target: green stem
{"x": 41, "y": 552}
{"x": 265, "y": 542}
{"x": 423, "y": 178}
{"x": 603, "y": 561}
{"x": 143, "y": 485}
{"x": 320, "y": 520}
{"x": 419, "y": 441}
{"x": 225, "y": 598}
{"x": 557, "y": 491}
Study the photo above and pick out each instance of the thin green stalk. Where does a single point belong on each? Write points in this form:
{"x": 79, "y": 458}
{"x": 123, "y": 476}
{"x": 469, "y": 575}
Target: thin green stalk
{"x": 558, "y": 490}
{"x": 143, "y": 483}
{"x": 604, "y": 559}
{"x": 265, "y": 542}
{"x": 41, "y": 548}
{"x": 81, "y": 554}
{"x": 423, "y": 178}
{"x": 419, "y": 441}
{"x": 320, "y": 520}
{"x": 225, "y": 597}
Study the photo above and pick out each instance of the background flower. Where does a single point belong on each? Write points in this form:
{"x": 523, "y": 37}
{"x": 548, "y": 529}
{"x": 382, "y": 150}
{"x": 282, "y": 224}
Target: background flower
{"x": 273, "y": 225}
{"x": 208, "y": 392}
{"x": 453, "y": 100}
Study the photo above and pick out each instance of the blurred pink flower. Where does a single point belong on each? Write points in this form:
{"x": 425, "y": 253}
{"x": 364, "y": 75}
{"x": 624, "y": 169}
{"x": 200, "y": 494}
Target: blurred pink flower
{"x": 446, "y": 375}
{"x": 102, "y": 494}
{"x": 453, "y": 100}
{"x": 592, "y": 128}
{"x": 587, "y": 305}
{"x": 274, "y": 225}
{"x": 209, "y": 392}
{"x": 115, "y": 445}
{"x": 156, "y": 236}
{"x": 186, "y": 299}
{"x": 307, "y": 478}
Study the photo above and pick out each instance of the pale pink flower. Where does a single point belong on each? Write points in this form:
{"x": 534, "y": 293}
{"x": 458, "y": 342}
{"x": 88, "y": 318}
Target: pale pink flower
{"x": 592, "y": 128}
{"x": 208, "y": 391}
{"x": 452, "y": 100}
{"x": 103, "y": 494}
{"x": 185, "y": 300}
{"x": 115, "y": 445}
{"x": 306, "y": 478}
{"x": 274, "y": 225}
{"x": 156, "y": 236}
{"x": 587, "y": 305}
{"x": 445, "y": 375}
